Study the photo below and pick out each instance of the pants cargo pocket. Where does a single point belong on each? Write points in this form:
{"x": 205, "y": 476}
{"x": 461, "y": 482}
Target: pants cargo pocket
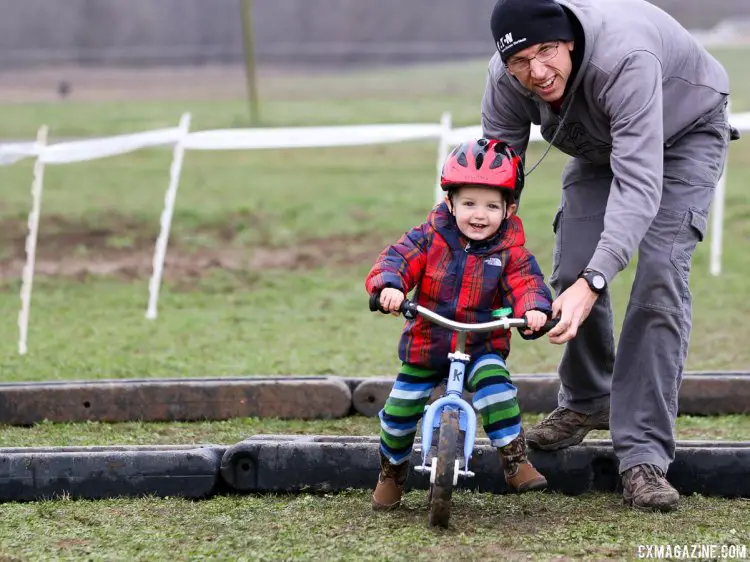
{"x": 556, "y": 250}
{"x": 692, "y": 231}
{"x": 557, "y": 247}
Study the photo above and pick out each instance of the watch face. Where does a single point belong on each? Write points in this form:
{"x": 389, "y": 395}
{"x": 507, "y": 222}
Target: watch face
{"x": 598, "y": 282}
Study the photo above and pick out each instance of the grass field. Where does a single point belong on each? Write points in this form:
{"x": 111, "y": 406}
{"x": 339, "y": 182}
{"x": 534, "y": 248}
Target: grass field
{"x": 342, "y": 527}
{"x": 228, "y": 432}
{"x": 265, "y": 275}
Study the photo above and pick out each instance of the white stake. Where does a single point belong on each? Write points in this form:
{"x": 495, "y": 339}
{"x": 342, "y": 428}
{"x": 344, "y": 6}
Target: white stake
{"x": 160, "y": 251}
{"x": 31, "y": 238}
{"x": 717, "y": 216}
{"x": 717, "y": 223}
{"x": 445, "y": 124}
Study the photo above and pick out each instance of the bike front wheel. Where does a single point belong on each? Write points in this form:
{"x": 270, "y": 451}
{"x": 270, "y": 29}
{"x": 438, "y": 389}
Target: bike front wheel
{"x": 441, "y": 490}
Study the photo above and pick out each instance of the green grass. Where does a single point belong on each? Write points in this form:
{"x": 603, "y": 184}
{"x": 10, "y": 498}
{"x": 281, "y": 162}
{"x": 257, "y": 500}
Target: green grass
{"x": 342, "y": 527}
{"x": 592, "y": 526}
{"x": 270, "y": 320}
{"x": 228, "y": 432}
{"x": 409, "y": 94}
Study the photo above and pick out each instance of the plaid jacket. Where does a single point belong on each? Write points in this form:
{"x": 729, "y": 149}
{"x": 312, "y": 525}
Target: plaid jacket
{"x": 462, "y": 280}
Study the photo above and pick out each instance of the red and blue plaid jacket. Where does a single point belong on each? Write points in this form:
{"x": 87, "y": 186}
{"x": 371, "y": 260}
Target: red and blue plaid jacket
{"x": 460, "y": 279}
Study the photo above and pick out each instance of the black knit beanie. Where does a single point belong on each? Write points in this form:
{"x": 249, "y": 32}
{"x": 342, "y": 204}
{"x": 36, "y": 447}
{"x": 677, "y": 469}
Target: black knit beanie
{"x": 517, "y": 24}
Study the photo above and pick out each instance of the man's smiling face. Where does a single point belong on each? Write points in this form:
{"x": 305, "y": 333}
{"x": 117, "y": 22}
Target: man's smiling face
{"x": 543, "y": 69}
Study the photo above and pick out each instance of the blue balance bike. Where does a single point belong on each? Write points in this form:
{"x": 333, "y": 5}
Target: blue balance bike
{"x": 450, "y": 414}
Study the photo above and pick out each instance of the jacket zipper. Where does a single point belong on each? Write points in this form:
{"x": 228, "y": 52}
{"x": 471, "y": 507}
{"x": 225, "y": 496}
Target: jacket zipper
{"x": 458, "y": 286}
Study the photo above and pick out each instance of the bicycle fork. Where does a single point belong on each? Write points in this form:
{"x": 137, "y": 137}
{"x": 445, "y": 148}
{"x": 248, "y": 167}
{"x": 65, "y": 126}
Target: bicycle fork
{"x": 452, "y": 400}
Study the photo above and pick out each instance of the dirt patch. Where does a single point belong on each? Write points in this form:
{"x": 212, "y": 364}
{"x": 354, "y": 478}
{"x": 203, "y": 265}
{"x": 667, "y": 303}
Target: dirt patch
{"x": 69, "y": 543}
{"x": 212, "y": 82}
{"x": 125, "y": 249}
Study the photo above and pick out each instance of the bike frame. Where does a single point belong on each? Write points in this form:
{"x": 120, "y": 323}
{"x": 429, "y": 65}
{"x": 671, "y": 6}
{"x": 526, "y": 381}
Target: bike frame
{"x": 453, "y": 397}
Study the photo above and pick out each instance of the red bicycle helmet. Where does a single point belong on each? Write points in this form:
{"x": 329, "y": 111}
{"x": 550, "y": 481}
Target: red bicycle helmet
{"x": 486, "y": 162}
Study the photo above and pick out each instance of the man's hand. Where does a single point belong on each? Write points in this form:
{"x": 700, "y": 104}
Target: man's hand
{"x": 391, "y": 299}
{"x": 573, "y": 306}
{"x": 535, "y": 319}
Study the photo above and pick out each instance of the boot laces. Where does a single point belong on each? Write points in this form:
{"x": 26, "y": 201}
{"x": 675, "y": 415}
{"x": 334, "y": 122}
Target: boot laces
{"x": 557, "y": 414}
{"x": 652, "y": 476}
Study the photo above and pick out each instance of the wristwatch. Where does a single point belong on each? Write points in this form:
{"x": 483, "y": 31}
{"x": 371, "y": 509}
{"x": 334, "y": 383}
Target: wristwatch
{"x": 596, "y": 280}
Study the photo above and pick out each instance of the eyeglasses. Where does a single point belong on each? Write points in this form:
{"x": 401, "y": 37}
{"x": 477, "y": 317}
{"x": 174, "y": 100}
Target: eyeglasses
{"x": 520, "y": 65}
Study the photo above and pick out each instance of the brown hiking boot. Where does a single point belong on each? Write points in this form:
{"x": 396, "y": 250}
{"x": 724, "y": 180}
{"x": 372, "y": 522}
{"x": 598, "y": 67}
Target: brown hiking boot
{"x": 564, "y": 427}
{"x": 645, "y": 487}
{"x": 520, "y": 474}
{"x": 391, "y": 480}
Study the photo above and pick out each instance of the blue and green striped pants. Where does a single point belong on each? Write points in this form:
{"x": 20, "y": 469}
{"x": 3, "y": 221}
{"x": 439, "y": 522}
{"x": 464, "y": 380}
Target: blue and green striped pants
{"x": 494, "y": 398}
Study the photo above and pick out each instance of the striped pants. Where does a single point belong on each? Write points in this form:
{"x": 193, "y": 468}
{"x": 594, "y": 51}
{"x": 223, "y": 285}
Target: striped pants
{"x": 494, "y": 398}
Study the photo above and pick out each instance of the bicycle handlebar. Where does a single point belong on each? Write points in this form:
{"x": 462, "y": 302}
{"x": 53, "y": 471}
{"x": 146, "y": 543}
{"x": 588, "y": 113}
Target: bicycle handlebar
{"x": 410, "y": 310}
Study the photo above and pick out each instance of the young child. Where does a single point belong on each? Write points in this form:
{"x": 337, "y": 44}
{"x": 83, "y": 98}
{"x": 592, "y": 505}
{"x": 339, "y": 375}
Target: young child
{"x": 467, "y": 260}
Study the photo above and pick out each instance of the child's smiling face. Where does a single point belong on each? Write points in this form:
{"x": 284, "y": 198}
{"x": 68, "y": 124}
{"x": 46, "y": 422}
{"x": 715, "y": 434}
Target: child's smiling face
{"x": 480, "y": 211}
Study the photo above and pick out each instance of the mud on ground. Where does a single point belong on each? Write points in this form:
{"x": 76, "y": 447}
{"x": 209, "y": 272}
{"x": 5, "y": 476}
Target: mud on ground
{"x": 55, "y": 83}
{"x": 124, "y": 249}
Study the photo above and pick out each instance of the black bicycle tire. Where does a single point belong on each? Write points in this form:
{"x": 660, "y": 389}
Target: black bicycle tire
{"x": 442, "y": 489}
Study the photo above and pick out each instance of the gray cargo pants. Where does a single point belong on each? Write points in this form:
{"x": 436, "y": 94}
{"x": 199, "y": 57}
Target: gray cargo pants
{"x": 640, "y": 380}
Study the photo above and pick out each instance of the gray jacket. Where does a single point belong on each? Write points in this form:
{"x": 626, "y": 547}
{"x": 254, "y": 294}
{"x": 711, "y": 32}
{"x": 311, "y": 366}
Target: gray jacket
{"x": 643, "y": 82}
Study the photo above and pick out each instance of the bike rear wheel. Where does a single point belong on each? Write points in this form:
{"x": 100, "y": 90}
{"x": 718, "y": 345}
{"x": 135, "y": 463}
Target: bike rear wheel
{"x": 441, "y": 490}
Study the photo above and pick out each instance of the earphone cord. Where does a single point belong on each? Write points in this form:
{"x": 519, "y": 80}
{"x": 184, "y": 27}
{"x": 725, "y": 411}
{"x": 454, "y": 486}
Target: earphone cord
{"x": 559, "y": 128}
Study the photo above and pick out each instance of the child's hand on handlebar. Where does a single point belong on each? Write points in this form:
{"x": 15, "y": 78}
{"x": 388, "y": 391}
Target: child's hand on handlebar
{"x": 536, "y": 320}
{"x": 391, "y": 299}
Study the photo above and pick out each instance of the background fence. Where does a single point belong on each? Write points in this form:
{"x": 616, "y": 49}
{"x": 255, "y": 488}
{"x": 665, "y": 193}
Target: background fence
{"x": 243, "y": 139}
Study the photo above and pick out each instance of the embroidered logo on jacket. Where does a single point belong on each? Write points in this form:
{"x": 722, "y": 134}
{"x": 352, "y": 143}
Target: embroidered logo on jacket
{"x": 494, "y": 261}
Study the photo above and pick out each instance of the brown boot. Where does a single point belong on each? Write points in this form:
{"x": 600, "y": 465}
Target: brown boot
{"x": 645, "y": 487}
{"x": 387, "y": 494}
{"x": 564, "y": 428}
{"x": 520, "y": 474}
